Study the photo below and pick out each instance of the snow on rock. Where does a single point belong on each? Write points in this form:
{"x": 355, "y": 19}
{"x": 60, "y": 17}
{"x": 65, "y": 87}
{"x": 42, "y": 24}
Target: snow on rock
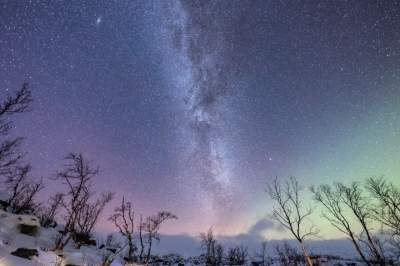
{"x": 74, "y": 259}
{"x": 12, "y": 237}
{"x": 11, "y": 223}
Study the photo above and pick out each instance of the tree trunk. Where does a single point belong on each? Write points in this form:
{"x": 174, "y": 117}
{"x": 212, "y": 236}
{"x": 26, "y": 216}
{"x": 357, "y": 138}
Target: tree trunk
{"x": 141, "y": 240}
{"x": 149, "y": 251}
{"x": 374, "y": 249}
{"x": 359, "y": 250}
{"x": 130, "y": 251}
{"x": 306, "y": 255}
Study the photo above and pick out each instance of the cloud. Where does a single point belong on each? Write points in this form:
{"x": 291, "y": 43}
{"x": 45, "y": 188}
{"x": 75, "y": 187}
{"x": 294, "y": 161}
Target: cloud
{"x": 190, "y": 246}
{"x": 187, "y": 245}
{"x": 263, "y": 225}
{"x": 182, "y": 244}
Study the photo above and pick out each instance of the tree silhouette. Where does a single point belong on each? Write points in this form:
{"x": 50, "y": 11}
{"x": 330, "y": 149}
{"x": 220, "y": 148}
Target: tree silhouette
{"x": 10, "y": 155}
{"x": 81, "y": 215}
{"x": 47, "y": 218}
{"x": 123, "y": 219}
{"x": 340, "y": 202}
{"x": 387, "y": 210}
{"x": 22, "y": 190}
{"x": 209, "y": 246}
{"x": 237, "y": 256}
{"x": 290, "y": 212}
{"x": 151, "y": 227}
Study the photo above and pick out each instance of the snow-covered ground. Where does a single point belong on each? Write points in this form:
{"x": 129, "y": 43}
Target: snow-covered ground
{"x": 11, "y": 239}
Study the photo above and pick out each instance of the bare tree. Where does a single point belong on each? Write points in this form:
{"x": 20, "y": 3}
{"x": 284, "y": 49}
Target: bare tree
{"x": 213, "y": 251}
{"x": 16, "y": 183}
{"x": 209, "y": 244}
{"x": 290, "y": 212}
{"x": 88, "y": 216}
{"x": 123, "y": 219}
{"x": 26, "y": 202}
{"x": 335, "y": 213}
{"x": 81, "y": 215}
{"x": 152, "y": 226}
{"x": 76, "y": 175}
{"x": 387, "y": 211}
{"x": 237, "y": 256}
{"x": 288, "y": 256}
{"x": 219, "y": 254}
{"x": 47, "y": 218}
{"x": 340, "y": 202}
{"x": 360, "y": 207}
{"x": 10, "y": 155}
{"x": 22, "y": 190}
{"x": 141, "y": 238}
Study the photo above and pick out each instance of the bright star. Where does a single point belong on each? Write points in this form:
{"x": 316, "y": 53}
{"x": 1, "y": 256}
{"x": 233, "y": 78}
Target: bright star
{"x": 98, "y": 20}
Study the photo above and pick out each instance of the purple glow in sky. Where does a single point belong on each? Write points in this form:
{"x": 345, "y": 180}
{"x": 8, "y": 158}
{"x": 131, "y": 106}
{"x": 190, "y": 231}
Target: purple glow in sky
{"x": 191, "y": 106}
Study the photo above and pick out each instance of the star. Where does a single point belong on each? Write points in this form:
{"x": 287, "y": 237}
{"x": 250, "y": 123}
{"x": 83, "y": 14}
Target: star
{"x": 190, "y": 107}
{"x": 98, "y": 20}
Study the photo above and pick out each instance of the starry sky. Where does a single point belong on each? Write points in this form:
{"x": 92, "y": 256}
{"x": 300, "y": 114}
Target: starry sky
{"x": 192, "y": 106}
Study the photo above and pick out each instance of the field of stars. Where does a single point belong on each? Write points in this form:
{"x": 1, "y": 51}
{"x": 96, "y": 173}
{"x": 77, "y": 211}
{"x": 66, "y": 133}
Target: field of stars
{"x": 193, "y": 106}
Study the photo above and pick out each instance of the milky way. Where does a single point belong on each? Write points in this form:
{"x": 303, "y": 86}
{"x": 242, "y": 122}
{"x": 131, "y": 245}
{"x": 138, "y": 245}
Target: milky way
{"x": 192, "y": 106}
{"x": 201, "y": 43}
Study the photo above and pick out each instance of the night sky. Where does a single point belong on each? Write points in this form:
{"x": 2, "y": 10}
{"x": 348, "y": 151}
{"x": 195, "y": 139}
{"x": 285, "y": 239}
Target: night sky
{"x": 193, "y": 106}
